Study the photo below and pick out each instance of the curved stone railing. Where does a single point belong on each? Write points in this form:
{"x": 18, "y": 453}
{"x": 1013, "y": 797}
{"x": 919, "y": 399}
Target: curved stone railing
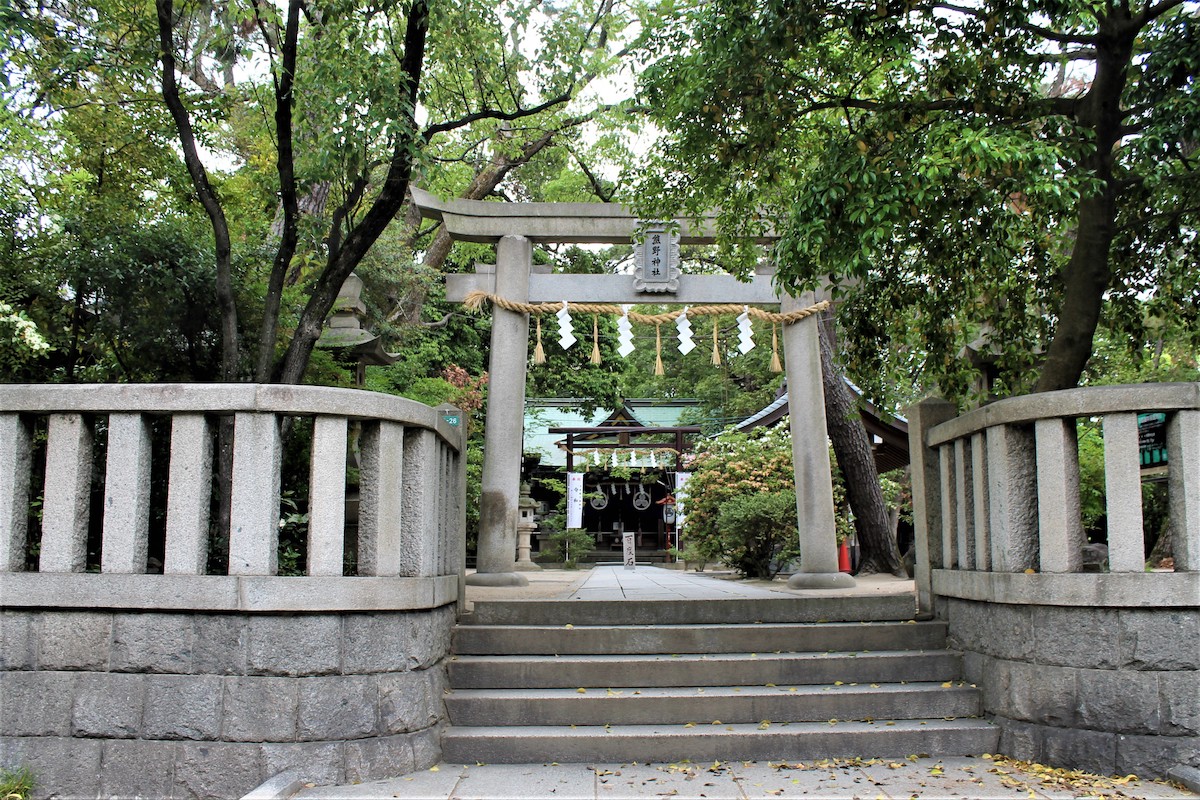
{"x": 999, "y": 487}
{"x": 1079, "y": 669}
{"x": 218, "y": 681}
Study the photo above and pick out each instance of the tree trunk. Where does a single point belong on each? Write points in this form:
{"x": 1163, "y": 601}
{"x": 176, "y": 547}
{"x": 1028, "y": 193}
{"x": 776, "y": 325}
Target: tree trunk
{"x": 853, "y": 450}
{"x": 359, "y": 240}
{"x": 1087, "y": 274}
{"x": 286, "y": 168}
{"x": 230, "y": 345}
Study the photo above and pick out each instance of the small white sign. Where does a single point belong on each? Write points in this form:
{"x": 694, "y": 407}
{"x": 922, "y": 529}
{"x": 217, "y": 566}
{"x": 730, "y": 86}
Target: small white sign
{"x": 575, "y": 500}
{"x": 627, "y": 544}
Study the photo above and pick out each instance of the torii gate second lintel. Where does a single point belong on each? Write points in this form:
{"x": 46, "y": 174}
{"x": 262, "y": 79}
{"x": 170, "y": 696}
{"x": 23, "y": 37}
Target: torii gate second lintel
{"x": 514, "y": 226}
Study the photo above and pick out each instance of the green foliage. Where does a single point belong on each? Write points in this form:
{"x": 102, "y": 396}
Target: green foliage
{"x": 568, "y": 544}
{"x": 762, "y": 531}
{"x": 926, "y": 162}
{"x": 735, "y": 466}
{"x": 16, "y": 784}
{"x": 20, "y": 340}
{"x": 1092, "y": 507}
{"x": 88, "y": 139}
{"x": 690, "y": 555}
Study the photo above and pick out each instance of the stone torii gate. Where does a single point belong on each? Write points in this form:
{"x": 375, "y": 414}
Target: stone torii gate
{"x": 513, "y": 228}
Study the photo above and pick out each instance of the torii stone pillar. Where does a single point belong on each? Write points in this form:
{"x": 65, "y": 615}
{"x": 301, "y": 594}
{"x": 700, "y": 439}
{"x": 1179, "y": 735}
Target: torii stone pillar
{"x": 810, "y": 453}
{"x": 498, "y": 505}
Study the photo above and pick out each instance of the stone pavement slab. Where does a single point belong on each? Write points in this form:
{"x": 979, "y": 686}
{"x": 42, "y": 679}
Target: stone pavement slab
{"x": 911, "y": 778}
{"x": 655, "y": 583}
{"x": 608, "y": 582}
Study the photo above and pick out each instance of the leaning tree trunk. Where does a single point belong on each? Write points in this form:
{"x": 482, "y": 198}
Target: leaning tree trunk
{"x": 1087, "y": 274}
{"x": 853, "y": 450}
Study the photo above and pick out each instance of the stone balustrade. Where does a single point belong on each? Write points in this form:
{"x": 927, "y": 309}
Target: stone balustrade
{"x": 1094, "y": 670}
{"x": 126, "y": 669}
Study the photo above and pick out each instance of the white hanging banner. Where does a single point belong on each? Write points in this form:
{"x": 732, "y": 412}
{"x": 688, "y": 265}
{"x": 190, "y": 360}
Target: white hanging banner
{"x": 574, "y": 499}
{"x": 681, "y": 479}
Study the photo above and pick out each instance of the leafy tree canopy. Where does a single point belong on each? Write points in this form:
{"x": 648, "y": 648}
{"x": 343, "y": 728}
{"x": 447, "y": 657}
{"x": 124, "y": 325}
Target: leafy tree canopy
{"x": 292, "y": 130}
{"x": 1017, "y": 171}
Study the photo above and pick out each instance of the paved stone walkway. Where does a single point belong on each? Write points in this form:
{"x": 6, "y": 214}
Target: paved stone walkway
{"x": 655, "y": 583}
{"x": 871, "y": 779}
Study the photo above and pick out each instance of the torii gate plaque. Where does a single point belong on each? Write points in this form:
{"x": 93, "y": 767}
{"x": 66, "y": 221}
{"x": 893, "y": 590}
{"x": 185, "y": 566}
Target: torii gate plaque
{"x": 514, "y": 227}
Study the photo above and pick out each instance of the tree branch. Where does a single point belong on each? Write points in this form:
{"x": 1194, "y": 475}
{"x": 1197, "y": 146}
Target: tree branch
{"x": 204, "y": 191}
{"x": 286, "y": 168}
{"x": 1038, "y": 30}
{"x": 521, "y": 113}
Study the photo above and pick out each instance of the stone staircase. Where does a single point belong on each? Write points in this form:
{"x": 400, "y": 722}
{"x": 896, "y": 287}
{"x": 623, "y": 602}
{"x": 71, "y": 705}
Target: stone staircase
{"x": 538, "y": 681}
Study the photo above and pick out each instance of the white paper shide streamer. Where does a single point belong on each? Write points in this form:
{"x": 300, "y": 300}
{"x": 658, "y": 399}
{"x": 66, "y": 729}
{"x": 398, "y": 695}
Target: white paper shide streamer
{"x": 745, "y": 331}
{"x": 684, "y": 326}
{"x": 565, "y": 337}
{"x": 624, "y": 333}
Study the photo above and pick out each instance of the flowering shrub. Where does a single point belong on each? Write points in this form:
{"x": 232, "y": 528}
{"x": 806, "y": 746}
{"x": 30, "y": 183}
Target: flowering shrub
{"x": 741, "y": 506}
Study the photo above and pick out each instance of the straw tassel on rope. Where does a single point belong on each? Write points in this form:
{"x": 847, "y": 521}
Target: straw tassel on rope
{"x": 658, "y": 365}
{"x": 595, "y": 359}
{"x": 716, "y": 356}
{"x": 539, "y": 352}
{"x": 775, "y": 365}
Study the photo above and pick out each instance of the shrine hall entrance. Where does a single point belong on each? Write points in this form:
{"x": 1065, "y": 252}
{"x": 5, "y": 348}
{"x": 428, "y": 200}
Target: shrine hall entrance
{"x": 629, "y": 464}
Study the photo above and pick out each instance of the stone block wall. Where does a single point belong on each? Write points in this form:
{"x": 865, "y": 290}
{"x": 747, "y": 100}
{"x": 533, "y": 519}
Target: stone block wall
{"x": 1103, "y": 689}
{"x": 189, "y": 704}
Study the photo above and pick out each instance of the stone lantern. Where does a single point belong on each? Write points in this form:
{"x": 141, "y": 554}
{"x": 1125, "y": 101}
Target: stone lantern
{"x": 525, "y": 528}
{"x": 344, "y": 331}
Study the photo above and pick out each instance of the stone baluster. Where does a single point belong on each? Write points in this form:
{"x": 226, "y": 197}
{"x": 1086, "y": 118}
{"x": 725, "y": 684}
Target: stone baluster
{"x": 979, "y": 502}
{"x": 421, "y": 494}
{"x": 254, "y": 508}
{"x": 1183, "y": 450}
{"x": 67, "y": 497}
{"x": 1062, "y": 539}
{"x": 964, "y": 499}
{"x": 189, "y": 493}
{"x": 126, "y": 495}
{"x": 1123, "y": 494}
{"x": 381, "y": 485}
{"x": 327, "y": 496}
{"x": 927, "y": 494}
{"x": 1012, "y": 498}
{"x": 946, "y": 475}
{"x": 15, "y": 463}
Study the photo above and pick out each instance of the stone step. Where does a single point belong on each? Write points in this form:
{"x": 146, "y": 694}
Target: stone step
{"x": 702, "y": 743}
{"x": 735, "y": 610}
{"x": 728, "y": 638}
{"x": 705, "y": 706}
{"x": 727, "y": 669}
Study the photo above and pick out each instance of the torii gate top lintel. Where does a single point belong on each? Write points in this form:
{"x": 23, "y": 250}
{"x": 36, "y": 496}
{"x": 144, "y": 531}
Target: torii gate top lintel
{"x": 597, "y": 223}
{"x": 566, "y": 223}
